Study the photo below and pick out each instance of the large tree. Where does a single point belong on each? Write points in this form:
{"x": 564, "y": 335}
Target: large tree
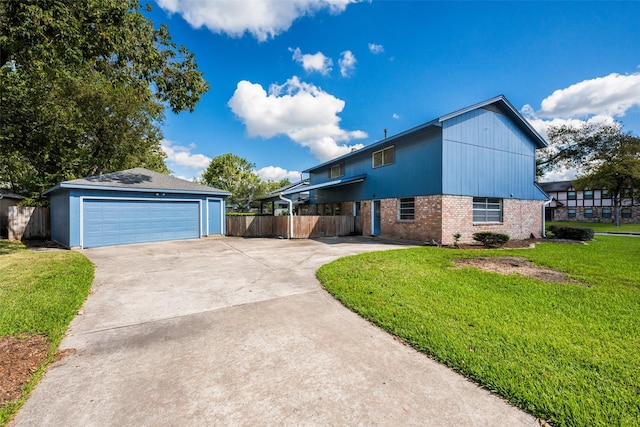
{"x": 84, "y": 89}
{"x": 605, "y": 156}
{"x": 236, "y": 175}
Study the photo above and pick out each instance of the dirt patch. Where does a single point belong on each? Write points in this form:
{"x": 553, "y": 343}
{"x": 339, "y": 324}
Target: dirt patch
{"x": 19, "y": 359}
{"x": 516, "y": 265}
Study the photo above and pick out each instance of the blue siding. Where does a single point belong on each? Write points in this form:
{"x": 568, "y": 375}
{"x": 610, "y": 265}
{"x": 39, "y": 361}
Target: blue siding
{"x": 59, "y": 217}
{"x": 485, "y": 154}
{"x": 417, "y": 170}
{"x": 117, "y": 222}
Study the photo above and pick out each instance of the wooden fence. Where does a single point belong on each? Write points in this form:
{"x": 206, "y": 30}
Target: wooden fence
{"x": 25, "y": 222}
{"x": 304, "y": 227}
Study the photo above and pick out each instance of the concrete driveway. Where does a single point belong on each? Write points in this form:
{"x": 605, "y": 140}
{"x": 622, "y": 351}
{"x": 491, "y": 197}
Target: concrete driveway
{"x": 235, "y": 331}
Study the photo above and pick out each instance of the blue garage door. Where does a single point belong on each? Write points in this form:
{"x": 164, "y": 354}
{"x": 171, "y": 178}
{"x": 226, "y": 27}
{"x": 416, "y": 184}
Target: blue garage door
{"x": 215, "y": 216}
{"x": 119, "y": 222}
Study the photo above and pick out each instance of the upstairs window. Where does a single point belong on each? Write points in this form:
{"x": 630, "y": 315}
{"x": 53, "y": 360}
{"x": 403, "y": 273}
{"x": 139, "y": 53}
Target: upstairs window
{"x": 487, "y": 209}
{"x": 571, "y": 195}
{"x": 384, "y": 157}
{"x": 588, "y": 194}
{"x": 406, "y": 208}
{"x": 336, "y": 171}
{"x": 605, "y": 194}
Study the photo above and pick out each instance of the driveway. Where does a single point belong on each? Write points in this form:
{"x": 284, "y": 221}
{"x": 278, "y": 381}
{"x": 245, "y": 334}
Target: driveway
{"x": 234, "y": 331}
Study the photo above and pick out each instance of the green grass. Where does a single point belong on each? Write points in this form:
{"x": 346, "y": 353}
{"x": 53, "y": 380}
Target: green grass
{"x": 567, "y": 353}
{"x": 599, "y": 226}
{"x": 40, "y": 293}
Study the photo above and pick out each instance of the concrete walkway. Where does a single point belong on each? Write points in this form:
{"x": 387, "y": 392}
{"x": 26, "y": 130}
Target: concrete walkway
{"x": 239, "y": 332}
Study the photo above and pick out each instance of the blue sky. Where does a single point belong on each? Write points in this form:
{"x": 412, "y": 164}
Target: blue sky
{"x": 297, "y": 82}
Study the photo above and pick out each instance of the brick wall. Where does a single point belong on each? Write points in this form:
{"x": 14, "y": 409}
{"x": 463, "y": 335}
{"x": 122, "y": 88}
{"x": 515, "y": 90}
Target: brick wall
{"x": 562, "y": 214}
{"x": 426, "y": 226}
{"x": 520, "y": 218}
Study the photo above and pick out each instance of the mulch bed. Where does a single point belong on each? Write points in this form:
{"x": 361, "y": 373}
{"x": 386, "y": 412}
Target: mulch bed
{"x": 19, "y": 359}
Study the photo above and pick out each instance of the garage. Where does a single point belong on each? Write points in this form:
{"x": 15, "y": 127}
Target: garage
{"x": 133, "y": 206}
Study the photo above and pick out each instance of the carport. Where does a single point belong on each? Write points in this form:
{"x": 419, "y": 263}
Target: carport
{"x": 133, "y": 206}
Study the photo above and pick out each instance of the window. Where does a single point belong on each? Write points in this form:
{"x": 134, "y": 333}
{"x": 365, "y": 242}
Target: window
{"x": 571, "y": 213}
{"x": 486, "y": 209}
{"x": 606, "y": 212}
{"x": 625, "y": 213}
{"x": 571, "y": 195}
{"x": 626, "y": 193}
{"x": 384, "y": 157}
{"x": 406, "y": 208}
{"x": 605, "y": 194}
{"x": 336, "y": 171}
{"x": 588, "y": 194}
{"x": 588, "y": 213}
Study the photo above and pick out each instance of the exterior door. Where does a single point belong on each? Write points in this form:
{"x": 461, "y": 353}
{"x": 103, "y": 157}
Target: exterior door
{"x": 376, "y": 217}
{"x": 214, "y": 225}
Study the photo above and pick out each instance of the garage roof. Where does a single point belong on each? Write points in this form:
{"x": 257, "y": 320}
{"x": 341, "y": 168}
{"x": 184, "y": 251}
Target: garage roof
{"x": 139, "y": 179}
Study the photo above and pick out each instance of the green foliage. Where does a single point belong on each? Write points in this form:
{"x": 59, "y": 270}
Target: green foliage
{"x": 236, "y": 175}
{"x": 40, "y": 293}
{"x": 85, "y": 85}
{"x": 565, "y": 352}
{"x": 599, "y": 226}
{"x": 572, "y": 233}
{"x": 490, "y": 239}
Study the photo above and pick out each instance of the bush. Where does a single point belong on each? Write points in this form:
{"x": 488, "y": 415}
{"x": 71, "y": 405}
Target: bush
{"x": 490, "y": 239}
{"x": 572, "y": 233}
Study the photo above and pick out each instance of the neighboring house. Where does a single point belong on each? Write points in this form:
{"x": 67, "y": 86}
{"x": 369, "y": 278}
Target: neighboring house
{"x": 592, "y": 205}
{"x": 133, "y": 206}
{"x": 469, "y": 171}
{"x": 6, "y": 199}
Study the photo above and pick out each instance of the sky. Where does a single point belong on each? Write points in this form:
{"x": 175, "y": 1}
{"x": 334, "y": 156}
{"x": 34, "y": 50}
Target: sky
{"x": 295, "y": 83}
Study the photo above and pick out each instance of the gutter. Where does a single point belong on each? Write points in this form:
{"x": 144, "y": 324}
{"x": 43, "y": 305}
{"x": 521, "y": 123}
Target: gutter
{"x": 290, "y": 213}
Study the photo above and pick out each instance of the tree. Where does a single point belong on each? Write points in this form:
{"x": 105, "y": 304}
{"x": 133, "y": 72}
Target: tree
{"x": 84, "y": 89}
{"x": 234, "y": 174}
{"x": 607, "y": 158}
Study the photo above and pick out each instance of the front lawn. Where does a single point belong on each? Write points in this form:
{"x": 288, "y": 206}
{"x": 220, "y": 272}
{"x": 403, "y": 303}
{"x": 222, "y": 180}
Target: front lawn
{"x": 40, "y": 293}
{"x": 599, "y": 226}
{"x": 568, "y": 353}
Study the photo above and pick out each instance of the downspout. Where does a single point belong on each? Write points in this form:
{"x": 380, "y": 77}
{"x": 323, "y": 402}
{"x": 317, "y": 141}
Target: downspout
{"x": 544, "y": 205}
{"x": 290, "y": 214}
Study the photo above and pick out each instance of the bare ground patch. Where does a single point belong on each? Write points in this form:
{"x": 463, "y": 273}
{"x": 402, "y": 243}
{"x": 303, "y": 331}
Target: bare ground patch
{"x": 516, "y": 265}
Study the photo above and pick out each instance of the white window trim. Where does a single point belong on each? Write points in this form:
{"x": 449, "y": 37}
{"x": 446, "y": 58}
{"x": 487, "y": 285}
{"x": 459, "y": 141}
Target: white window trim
{"x": 399, "y": 218}
{"x": 501, "y": 210}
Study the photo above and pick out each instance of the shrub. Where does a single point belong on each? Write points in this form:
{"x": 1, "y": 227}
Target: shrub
{"x": 572, "y": 233}
{"x": 490, "y": 239}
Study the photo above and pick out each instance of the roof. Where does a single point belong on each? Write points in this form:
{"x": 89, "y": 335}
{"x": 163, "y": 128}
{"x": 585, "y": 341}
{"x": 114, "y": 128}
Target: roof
{"x": 499, "y": 103}
{"x": 8, "y": 195}
{"x": 555, "y": 186}
{"x": 138, "y": 179}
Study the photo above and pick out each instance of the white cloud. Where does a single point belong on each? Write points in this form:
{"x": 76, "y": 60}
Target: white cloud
{"x": 181, "y": 156}
{"x": 276, "y": 173}
{"x": 376, "y": 48}
{"x": 263, "y": 19}
{"x": 302, "y": 111}
{"x": 347, "y": 63}
{"x": 396, "y": 116}
{"x": 612, "y": 95}
{"x": 597, "y": 100}
{"x": 316, "y": 62}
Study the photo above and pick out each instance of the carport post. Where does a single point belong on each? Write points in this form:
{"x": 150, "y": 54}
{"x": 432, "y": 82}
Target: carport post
{"x": 290, "y": 214}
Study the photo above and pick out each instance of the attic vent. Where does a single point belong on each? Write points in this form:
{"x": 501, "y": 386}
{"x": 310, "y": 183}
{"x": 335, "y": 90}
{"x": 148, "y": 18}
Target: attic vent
{"x": 493, "y": 108}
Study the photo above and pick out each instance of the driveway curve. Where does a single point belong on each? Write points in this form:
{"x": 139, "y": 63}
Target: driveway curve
{"x": 230, "y": 331}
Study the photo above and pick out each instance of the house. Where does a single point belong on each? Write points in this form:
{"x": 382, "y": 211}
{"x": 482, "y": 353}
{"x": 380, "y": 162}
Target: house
{"x": 133, "y": 206}
{"x": 469, "y": 171}
{"x": 7, "y": 199}
{"x": 591, "y": 205}
{"x": 296, "y": 192}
